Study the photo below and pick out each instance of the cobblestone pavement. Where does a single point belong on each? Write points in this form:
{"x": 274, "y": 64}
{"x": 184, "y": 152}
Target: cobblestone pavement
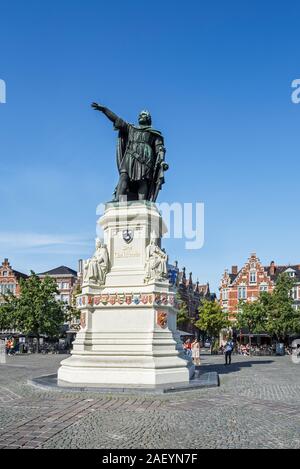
{"x": 256, "y": 406}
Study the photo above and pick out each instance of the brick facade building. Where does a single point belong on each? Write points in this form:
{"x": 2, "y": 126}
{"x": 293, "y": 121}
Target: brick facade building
{"x": 66, "y": 280}
{"x": 10, "y": 279}
{"x": 248, "y": 282}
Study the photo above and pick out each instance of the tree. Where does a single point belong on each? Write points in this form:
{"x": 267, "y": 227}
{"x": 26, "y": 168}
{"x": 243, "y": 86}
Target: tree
{"x": 7, "y": 309}
{"x": 212, "y": 319}
{"x": 251, "y": 316}
{"x": 37, "y": 311}
{"x": 282, "y": 317}
{"x": 271, "y": 312}
{"x": 182, "y": 314}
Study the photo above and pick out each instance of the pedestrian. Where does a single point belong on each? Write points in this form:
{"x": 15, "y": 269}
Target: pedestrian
{"x": 187, "y": 347}
{"x": 196, "y": 352}
{"x": 228, "y": 351}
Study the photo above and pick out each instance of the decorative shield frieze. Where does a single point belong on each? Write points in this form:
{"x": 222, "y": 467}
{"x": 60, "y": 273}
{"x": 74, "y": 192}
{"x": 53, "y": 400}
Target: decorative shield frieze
{"x": 127, "y": 236}
{"x": 82, "y": 320}
{"x": 162, "y": 319}
{"x": 136, "y": 299}
{"x": 128, "y": 299}
{"x": 171, "y": 300}
{"x": 157, "y": 298}
{"x": 164, "y": 299}
{"x": 112, "y": 299}
{"x": 144, "y": 299}
{"x": 120, "y": 298}
{"x": 97, "y": 300}
{"x": 104, "y": 299}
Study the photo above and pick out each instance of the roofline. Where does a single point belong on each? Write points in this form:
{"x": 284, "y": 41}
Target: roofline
{"x": 57, "y": 275}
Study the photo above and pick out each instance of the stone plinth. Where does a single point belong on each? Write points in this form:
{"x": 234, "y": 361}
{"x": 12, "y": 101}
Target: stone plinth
{"x": 128, "y": 326}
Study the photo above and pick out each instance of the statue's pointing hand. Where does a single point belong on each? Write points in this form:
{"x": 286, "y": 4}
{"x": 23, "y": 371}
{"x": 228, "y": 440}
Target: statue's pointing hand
{"x": 97, "y": 107}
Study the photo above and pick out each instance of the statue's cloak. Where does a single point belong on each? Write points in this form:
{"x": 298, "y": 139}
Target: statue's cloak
{"x": 157, "y": 179}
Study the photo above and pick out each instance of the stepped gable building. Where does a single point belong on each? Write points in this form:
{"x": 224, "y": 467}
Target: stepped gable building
{"x": 252, "y": 279}
{"x": 10, "y": 279}
{"x": 192, "y": 294}
{"x": 66, "y": 280}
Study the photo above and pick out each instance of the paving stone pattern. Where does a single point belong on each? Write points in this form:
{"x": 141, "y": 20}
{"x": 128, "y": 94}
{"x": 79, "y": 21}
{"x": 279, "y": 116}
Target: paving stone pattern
{"x": 256, "y": 406}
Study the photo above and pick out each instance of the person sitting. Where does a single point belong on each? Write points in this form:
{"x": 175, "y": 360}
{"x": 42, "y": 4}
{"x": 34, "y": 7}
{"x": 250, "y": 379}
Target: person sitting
{"x": 187, "y": 347}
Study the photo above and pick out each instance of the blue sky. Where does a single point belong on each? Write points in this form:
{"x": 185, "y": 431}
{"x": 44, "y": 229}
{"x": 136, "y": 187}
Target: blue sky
{"x": 216, "y": 77}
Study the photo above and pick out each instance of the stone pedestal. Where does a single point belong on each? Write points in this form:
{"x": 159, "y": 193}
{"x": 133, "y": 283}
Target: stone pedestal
{"x": 128, "y": 325}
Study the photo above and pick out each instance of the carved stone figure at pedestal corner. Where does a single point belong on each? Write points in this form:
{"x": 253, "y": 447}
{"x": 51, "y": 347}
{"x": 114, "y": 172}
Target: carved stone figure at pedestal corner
{"x": 96, "y": 268}
{"x": 156, "y": 262}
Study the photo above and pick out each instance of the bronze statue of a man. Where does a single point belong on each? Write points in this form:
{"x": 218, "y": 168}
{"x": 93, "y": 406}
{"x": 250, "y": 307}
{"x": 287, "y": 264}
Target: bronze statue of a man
{"x": 140, "y": 157}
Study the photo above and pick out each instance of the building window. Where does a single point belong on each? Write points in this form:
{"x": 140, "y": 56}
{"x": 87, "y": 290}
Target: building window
{"x": 65, "y": 298}
{"x": 5, "y": 273}
{"x": 242, "y": 293}
{"x": 290, "y": 272}
{"x": 295, "y": 293}
{"x": 225, "y": 294}
{"x": 263, "y": 287}
{"x": 65, "y": 286}
{"x": 7, "y": 288}
{"x": 253, "y": 276}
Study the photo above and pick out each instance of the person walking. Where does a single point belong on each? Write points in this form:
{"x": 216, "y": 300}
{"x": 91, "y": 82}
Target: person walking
{"x": 228, "y": 351}
{"x": 196, "y": 352}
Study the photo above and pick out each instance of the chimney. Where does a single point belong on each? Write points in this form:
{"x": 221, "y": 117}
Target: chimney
{"x": 5, "y": 263}
{"x": 176, "y": 264}
{"x": 234, "y": 269}
{"x": 272, "y": 268}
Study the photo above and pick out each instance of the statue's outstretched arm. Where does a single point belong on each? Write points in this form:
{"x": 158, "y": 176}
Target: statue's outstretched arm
{"x": 108, "y": 113}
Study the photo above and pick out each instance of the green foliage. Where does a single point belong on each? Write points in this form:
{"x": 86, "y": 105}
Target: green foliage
{"x": 7, "y": 309}
{"x": 282, "y": 317}
{"x": 182, "y": 314}
{"x": 212, "y": 319}
{"x": 71, "y": 312}
{"x": 36, "y": 310}
{"x": 251, "y": 316}
{"x": 271, "y": 312}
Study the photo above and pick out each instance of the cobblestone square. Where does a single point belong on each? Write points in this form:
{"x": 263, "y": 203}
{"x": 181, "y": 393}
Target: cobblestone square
{"x": 256, "y": 406}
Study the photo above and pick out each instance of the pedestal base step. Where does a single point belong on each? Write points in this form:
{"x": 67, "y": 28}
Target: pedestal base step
{"x": 204, "y": 380}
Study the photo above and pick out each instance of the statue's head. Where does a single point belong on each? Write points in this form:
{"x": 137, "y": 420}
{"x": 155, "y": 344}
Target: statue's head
{"x": 98, "y": 243}
{"x": 145, "y": 118}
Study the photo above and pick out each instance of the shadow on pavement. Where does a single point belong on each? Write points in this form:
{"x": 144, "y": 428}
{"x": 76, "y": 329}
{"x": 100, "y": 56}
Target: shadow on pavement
{"x": 235, "y": 366}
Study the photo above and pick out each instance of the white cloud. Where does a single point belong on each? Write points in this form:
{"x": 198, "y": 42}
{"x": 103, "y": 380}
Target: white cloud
{"x": 37, "y": 241}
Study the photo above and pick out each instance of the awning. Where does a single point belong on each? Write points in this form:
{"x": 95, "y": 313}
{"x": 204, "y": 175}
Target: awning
{"x": 253, "y": 335}
{"x": 184, "y": 333}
